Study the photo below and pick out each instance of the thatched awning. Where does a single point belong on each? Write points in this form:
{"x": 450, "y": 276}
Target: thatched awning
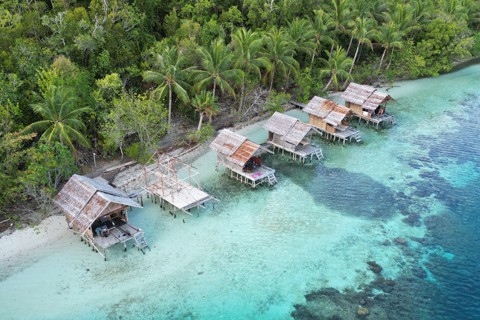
{"x": 83, "y": 200}
{"x": 367, "y": 97}
{"x": 289, "y": 128}
{"x": 236, "y": 147}
{"x": 330, "y": 111}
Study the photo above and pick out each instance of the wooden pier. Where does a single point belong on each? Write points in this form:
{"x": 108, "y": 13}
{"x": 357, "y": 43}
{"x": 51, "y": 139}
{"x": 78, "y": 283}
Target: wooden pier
{"x": 170, "y": 181}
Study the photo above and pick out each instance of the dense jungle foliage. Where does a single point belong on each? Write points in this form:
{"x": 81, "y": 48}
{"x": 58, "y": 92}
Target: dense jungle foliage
{"x": 117, "y": 76}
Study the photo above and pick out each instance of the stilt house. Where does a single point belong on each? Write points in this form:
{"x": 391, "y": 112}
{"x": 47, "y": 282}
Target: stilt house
{"x": 332, "y": 119}
{"x": 98, "y": 213}
{"x": 368, "y": 103}
{"x": 290, "y": 134}
{"x": 243, "y": 158}
{"x": 174, "y": 183}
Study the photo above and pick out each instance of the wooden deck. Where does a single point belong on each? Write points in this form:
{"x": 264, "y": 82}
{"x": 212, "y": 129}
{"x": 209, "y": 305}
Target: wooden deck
{"x": 182, "y": 196}
{"x": 377, "y": 120}
{"x": 119, "y": 234}
{"x": 302, "y": 152}
{"x": 256, "y": 177}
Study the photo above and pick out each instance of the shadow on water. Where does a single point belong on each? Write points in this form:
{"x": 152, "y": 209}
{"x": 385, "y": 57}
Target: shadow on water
{"x": 343, "y": 191}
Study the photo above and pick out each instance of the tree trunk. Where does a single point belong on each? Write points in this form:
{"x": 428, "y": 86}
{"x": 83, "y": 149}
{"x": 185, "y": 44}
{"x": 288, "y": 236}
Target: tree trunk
{"x": 214, "y": 88}
{"x": 242, "y": 94}
{"x": 200, "y": 122}
{"x": 381, "y": 60}
{"x": 350, "y": 44}
{"x": 353, "y": 62}
{"x": 390, "y": 60}
{"x": 272, "y": 75}
{"x": 311, "y": 63}
{"x": 169, "y": 105}
{"x": 328, "y": 84}
{"x": 355, "y": 57}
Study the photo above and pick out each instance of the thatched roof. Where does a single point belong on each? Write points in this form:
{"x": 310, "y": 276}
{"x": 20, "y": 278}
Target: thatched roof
{"x": 234, "y": 146}
{"x": 289, "y": 128}
{"x": 330, "y": 111}
{"x": 367, "y": 97}
{"x": 83, "y": 200}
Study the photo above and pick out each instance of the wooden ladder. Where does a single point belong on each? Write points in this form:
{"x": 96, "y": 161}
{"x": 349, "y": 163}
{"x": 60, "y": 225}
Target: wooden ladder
{"x": 271, "y": 179}
{"x": 140, "y": 242}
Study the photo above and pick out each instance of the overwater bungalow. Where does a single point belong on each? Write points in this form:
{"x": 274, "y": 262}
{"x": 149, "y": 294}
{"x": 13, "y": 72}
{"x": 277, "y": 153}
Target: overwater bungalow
{"x": 368, "y": 103}
{"x": 98, "y": 213}
{"x": 292, "y": 135}
{"x": 174, "y": 183}
{"x": 243, "y": 158}
{"x": 332, "y": 119}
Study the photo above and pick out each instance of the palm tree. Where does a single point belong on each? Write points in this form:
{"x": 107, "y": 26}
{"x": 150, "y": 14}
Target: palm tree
{"x": 246, "y": 44}
{"x": 218, "y": 69}
{"x": 336, "y": 67}
{"x": 171, "y": 75}
{"x": 322, "y": 25}
{"x": 204, "y": 104}
{"x": 341, "y": 14}
{"x": 363, "y": 32}
{"x": 278, "y": 51}
{"x": 61, "y": 118}
{"x": 388, "y": 36}
{"x": 302, "y": 35}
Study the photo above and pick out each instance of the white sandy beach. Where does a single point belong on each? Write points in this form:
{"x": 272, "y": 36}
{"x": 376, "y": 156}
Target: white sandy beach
{"x": 22, "y": 241}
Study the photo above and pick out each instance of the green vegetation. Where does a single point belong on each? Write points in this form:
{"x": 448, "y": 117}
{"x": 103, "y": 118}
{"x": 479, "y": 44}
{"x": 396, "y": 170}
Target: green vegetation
{"x": 107, "y": 76}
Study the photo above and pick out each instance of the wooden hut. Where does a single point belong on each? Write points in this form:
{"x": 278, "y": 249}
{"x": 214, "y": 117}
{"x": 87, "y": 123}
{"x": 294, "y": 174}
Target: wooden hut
{"x": 368, "y": 103}
{"x": 243, "y": 158}
{"x": 332, "y": 119}
{"x": 290, "y": 134}
{"x": 98, "y": 213}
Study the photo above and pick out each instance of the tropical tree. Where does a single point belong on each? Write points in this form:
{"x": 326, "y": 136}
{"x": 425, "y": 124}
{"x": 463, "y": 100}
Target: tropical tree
{"x": 170, "y": 76}
{"x": 278, "y": 51}
{"x": 363, "y": 32}
{"x": 61, "y": 118}
{"x": 246, "y": 44}
{"x": 322, "y": 25}
{"x": 302, "y": 35}
{"x": 388, "y": 36}
{"x": 341, "y": 13}
{"x": 336, "y": 67}
{"x": 204, "y": 104}
{"x": 217, "y": 69}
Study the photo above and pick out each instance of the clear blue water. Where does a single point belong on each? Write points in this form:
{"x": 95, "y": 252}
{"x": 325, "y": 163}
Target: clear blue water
{"x": 260, "y": 253}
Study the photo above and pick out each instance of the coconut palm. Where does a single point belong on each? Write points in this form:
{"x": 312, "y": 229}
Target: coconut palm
{"x": 322, "y": 25}
{"x": 302, "y": 35}
{"x": 204, "y": 104}
{"x": 336, "y": 67}
{"x": 341, "y": 16}
{"x": 363, "y": 32}
{"x": 61, "y": 118}
{"x": 278, "y": 51}
{"x": 170, "y": 75}
{"x": 217, "y": 69}
{"x": 246, "y": 44}
{"x": 388, "y": 36}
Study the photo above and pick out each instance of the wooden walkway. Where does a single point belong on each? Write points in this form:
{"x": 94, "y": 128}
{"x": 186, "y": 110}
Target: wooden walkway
{"x": 377, "y": 120}
{"x": 302, "y": 153}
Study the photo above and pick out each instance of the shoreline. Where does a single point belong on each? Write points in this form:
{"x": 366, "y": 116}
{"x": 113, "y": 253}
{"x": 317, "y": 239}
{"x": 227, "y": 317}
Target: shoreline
{"x": 22, "y": 241}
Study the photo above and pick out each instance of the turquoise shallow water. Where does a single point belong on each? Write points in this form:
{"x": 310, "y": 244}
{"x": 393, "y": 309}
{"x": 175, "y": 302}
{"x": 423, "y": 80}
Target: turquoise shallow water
{"x": 258, "y": 253}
